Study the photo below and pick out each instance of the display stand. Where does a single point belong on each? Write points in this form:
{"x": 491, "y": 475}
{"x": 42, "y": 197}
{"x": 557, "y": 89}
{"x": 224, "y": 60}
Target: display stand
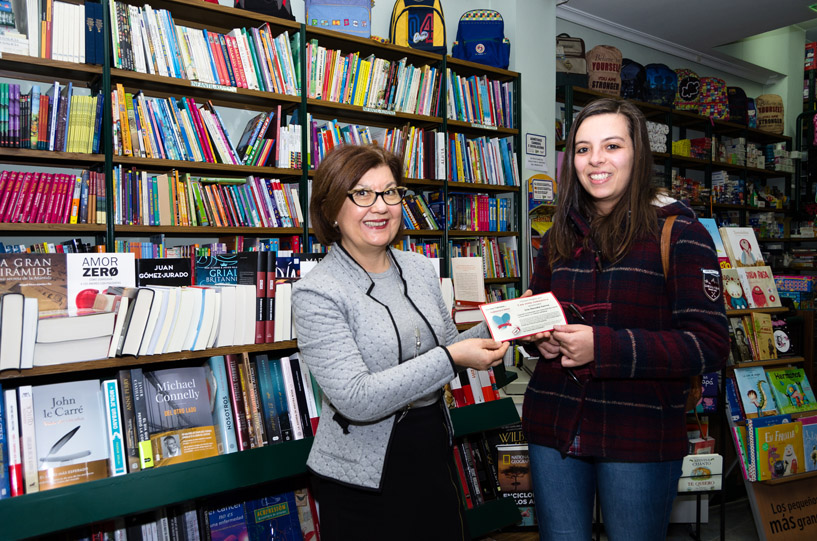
{"x": 785, "y": 509}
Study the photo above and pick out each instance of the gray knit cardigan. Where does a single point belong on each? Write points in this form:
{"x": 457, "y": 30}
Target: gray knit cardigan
{"x": 351, "y": 345}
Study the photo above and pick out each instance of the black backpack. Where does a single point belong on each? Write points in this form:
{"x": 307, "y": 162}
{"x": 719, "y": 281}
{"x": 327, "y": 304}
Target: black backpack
{"x": 661, "y": 86}
{"x": 738, "y": 105}
{"x": 274, "y": 8}
{"x": 633, "y": 79}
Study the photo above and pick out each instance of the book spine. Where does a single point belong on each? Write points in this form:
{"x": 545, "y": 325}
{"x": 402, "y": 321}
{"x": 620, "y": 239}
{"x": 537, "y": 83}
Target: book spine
{"x": 300, "y": 394}
{"x": 292, "y": 399}
{"x": 254, "y": 422}
{"x": 281, "y": 402}
{"x": 116, "y": 446}
{"x": 15, "y": 457}
{"x": 140, "y": 408}
{"x": 237, "y": 402}
{"x": 28, "y": 442}
{"x": 129, "y": 422}
{"x": 223, "y": 410}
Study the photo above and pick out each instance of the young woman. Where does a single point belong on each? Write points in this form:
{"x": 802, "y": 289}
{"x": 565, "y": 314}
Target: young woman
{"x": 605, "y": 406}
{"x": 375, "y": 332}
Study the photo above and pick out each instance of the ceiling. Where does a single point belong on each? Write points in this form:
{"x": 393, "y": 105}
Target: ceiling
{"x": 695, "y": 26}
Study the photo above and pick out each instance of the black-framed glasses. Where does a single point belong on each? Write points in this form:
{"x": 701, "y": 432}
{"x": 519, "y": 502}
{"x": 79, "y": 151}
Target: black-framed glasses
{"x": 366, "y": 198}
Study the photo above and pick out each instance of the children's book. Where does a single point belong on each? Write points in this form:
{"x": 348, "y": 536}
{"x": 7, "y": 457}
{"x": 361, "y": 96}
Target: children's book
{"x": 759, "y": 287}
{"x": 779, "y": 450}
{"x": 764, "y": 335}
{"x": 809, "y": 442}
{"x": 742, "y": 345}
{"x": 712, "y": 227}
{"x": 754, "y": 392}
{"x": 741, "y": 246}
{"x": 784, "y": 342}
{"x": 733, "y": 404}
{"x": 751, "y": 438}
{"x": 733, "y": 290}
{"x": 791, "y": 389}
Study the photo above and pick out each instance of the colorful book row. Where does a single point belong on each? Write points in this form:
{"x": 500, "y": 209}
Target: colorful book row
{"x": 147, "y": 40}
{"x": 480, "y": 100}
{"x": 500, "y": 257}
{"x": 372, "y": 82}
{"x": 417, "y": 214}
{"x": 472, "y": 212}
{"x": 52, "y": 198}
{"x": 144, "y": 198}
{"x": 485, "y": 160}
{"x": 57, "y": 119}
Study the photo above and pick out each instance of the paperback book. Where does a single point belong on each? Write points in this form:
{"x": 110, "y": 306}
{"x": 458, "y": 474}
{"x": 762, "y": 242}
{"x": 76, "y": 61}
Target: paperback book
{"x": 791, "y": 389}
{"x": 779, "y": 451}
{"x": 755, "y": 392}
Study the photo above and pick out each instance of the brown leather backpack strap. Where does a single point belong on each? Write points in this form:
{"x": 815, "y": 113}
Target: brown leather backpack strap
{"x": 666, "y": 233}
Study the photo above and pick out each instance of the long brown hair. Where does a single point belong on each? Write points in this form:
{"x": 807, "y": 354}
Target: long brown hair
{"x": 632, "y": 217}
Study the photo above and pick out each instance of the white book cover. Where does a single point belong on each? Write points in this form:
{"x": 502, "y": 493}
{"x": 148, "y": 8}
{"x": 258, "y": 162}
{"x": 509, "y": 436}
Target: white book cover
{"x": 214, "y": 322}
{"x": 225, "y": 332}
{"x": 208, "y": 315}
{"x": 701, "y": 472}
{"x": 160, "y": 339}
{"x": 28, "y": 439}
{"x": 117, "y": 462}
{"x": 136, "y": 325}
{"x": 187, "y": 59}
{"x": 194, "y": 315}
{"x": 158, "y": 310}
{"x": 119, "y": 324}
{"x": 92, "y": 273}
{"x": 15, "y": 453}
{"x": 742, "y": 247}
{"x": 476, "y": 386}
{"x": 283, "y": 311}
{"x": 248, "y": 291}
{"x": 12, "y": 306}
{"x": 292, "y": 400}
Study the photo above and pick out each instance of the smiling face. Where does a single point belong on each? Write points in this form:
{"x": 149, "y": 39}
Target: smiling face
{"x": 367, "y": 231}
{"x": 603, "y": 158}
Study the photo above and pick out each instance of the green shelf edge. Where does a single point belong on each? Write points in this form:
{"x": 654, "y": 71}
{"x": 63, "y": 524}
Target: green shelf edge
{"x": 485, "y": 416}
{"x": 85, "y": 503}
{"x": 492, "y": 516}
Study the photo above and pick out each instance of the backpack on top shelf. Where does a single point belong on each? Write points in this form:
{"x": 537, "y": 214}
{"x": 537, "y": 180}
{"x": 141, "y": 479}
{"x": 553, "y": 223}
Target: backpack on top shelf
{"x": 770, "y": 113}
{"x": 604, "y": 69}
{"x": 688, "y": 94}
{"x": 353, "y": 17}
{"x": 751, "y": 113}
{"x": 633, "y": 79}
{"x": 662, "y": 85}
{"x": 419, "y": 24}
{"x": 738, "y": 105}
{"x": 714, "y": 101}
{"x": 571, "y": 63}
{"x": 275, "y": 8}
{"x": 481, "y": 38}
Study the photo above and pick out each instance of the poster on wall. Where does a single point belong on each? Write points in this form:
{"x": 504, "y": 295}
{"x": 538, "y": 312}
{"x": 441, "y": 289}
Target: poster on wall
{"x": 542, "y": 198}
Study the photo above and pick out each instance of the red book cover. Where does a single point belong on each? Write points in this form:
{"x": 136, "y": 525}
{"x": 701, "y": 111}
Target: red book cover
{"x": 259, "y": 204}
{"x": 28, "y": 208}
{"x": 50, "y": 194}
{"x": 466, "y": 388}
{"x": 235, "y": 60}
{"x": 228, "y": 65}
{"x": 237, "y": 400}
{"x": 223, "y": 209}
{"x": 59, "y": 201}
{"x": 38, "y": 206}
{"x": 269, "y": 320}
{"x": 204, "y": 138}
{"x": 457, "y": 392}
{"x": 22, "y": 197}
{"x": 463, "y": 481}
{"x": 218, "y": 56}
{"x": 296, "y": 243}
{"x": 227, "y": 203}
{"x": 9, "y": 191}
{"x": 67, "y": 200}
{"x": 5, "y": 177}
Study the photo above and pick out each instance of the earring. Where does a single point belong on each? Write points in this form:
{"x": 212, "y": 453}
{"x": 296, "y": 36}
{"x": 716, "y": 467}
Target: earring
{"x": 335, "y": 224}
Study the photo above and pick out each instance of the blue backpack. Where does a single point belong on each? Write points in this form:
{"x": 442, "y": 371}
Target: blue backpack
{"x": 481, "y": 38}
{"x": 662, "y": 84}
{"x": 633, "y": 77}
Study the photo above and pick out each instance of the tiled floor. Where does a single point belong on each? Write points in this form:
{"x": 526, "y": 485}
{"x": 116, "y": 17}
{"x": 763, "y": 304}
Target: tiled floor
{"x": 739, "y": 524}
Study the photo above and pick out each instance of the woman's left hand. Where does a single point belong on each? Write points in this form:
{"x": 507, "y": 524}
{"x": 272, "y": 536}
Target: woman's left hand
{"x": 575, "y": 344}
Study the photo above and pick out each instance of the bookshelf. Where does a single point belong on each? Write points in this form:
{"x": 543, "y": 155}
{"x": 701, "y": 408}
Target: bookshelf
{"x": 114, "y": 497}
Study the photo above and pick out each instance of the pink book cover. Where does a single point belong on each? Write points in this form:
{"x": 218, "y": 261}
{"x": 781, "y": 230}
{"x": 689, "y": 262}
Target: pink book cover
{"x": 202, "y": 131}
{"x": 9, "y": 180}
{"x": 34, "y": 188}
{"x": 51, "y": 197}
{"x": 38, "y": 207}
{"x": 13, "y": 214}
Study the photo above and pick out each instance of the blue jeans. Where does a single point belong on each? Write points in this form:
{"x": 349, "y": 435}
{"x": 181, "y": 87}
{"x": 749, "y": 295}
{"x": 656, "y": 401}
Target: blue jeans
{"x": 636, "y": 497}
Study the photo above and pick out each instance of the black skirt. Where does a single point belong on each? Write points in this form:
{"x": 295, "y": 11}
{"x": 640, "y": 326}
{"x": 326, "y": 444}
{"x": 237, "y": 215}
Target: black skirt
{"x": 419, "y": 496}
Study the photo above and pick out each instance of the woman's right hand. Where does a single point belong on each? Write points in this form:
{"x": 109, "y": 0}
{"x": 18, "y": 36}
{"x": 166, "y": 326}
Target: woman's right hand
{"x": 477, "y": 353}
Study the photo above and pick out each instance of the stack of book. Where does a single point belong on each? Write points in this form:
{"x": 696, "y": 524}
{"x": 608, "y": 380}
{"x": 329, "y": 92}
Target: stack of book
{"x": 482, "y": 160}
{"x": 480, "y": 100}
{"x": 48, "y": 198}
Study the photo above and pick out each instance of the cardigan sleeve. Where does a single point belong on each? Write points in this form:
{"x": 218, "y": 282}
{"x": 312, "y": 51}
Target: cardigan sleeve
{"x": 698, "y": 340}
{"x": 327, "y": 344}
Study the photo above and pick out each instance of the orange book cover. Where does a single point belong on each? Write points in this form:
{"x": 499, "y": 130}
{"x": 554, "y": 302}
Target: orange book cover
{"x": 235, "y": 61}
{"x": 218, "y": 59}
{"x": 218, "y": 195}
{"x": 272, "y": 58}
{"x": 206, "y": 190}
{"x": 181, "y": 202}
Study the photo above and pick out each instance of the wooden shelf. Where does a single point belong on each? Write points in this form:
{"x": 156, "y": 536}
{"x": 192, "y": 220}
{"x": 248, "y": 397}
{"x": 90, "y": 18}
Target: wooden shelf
{"x": 153, "y": 164}
{"x": 371, "y": 116}
{"x": 26, "y": 156}
{"x": 479, "y": 187}
{"x": 481, "y": 129}
{"x": 45, "y": 69}
{"x": 128, "y": 361}
{"x": 202, "y": 231}
{"x": 52, "y": 229}
{"x": 790, "y": 479}
{"x": 221, "y": 18}
{"x": 36, "y": 514}
{"x": 464, "y": 67}
{"x": 366, "y": 46}
{"x": 748, "y": 311}
{"x": 461, "y": 233}
{"x": 771, "y": 362}
{"x": 491, "y": 516}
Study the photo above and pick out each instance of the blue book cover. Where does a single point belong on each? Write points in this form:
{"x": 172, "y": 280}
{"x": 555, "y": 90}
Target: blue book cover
{"x": 181, "y": 133}
{"x": 100, "y": 102}
{"x": 280, "y": 398}
{"x": 222, "y": 407}
{"x": 116, "y": 437}
{"x": 174, "y": 44}
{"x": 227, "y": 523}
{"x": 810, "y": 441}
{"x": 273, "y": 518}
{"x": 217, "y": 269}
{"x": 268, "y": 401}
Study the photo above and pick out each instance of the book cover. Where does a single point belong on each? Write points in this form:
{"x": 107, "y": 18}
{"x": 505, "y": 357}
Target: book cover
{"x": 70, "y": 431}
{"x": 216, "y": 269}
{"x": 751, "y": 438}
{"x": 273, "y": 517}
{"x": 117, "y": 456}
{"x": 785, "y": 342}
{"x": 791, "y": 389}
{"x": 701, "y": 472}
{"x": 759, "y": 287}
{"x": 128, "y": 421}
{"x": 733, "y": 294}
{"x": 228, "y": 523}
{"x": 91, "y": 274}
{"x": 809, "y": 441}
{"x": 779, "y": 451}
{"x": 42, "y": 276}
{"x": 754, "y": 392}
{"x": 222, "y": 406}
{"x": 741, "y": 246}
{"x": 5, "y": 486}
{"x": 764, "y": 335}
{"x": 179, "y": 418}
{"x": 307, "y": 514}
{"x": 14, "y": 460}
{"x": 513, "y": 471}
{"x": 170, "y": 271}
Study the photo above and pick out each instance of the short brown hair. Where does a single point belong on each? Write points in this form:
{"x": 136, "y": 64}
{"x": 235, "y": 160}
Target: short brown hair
{"x": 338, "y": 173}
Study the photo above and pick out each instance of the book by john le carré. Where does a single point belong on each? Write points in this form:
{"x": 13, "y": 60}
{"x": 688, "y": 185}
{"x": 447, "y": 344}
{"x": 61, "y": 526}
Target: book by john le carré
{"x": 172, "y": 271}
{"x": 35, "y": 275}
{"x": 71, "y": 435}
{"x": 179, "y": 415}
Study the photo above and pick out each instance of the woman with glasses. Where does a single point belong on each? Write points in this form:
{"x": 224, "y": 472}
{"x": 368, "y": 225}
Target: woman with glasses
{"x": 374, "y": 330}
{"x": 605, "y": 409}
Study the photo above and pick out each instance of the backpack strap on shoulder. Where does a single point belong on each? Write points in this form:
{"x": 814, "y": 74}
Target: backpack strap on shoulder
{"x": 666, "y": 234}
